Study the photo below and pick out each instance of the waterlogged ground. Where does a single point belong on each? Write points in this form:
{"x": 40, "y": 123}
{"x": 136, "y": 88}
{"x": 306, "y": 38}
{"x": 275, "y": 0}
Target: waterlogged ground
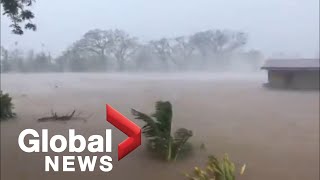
{"x": 276, "y": 133}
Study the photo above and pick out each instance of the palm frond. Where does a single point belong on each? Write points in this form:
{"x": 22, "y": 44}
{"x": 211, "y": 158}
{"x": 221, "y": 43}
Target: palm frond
{"x": 181, "y": 136}
{"x": 158, "y": 130}
{"x": 150, "y": 129}
{"x": 163, "y": 116}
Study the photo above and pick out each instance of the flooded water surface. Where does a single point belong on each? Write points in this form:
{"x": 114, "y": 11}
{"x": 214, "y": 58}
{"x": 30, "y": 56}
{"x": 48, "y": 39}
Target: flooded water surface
{"x": 275, "y": 132}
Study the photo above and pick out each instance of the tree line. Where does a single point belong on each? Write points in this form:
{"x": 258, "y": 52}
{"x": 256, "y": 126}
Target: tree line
{"x": 115, "y": 50}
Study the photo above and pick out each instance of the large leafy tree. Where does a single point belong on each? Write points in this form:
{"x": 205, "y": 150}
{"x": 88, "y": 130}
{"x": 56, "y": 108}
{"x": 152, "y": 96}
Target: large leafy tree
{"x": 17, "y": 12}
{"x": 108, "y": 43}
{"x": 163, "y": 49}
{"x": 217, "y": 41}
{"x": 123, "y": 47}
{"x": 95, "y": 42}
{"x": 184, "y": 49}
{"x": 72, "y": 60}
{"x": 158, "y": 131}
{"x": 218, "y": 46}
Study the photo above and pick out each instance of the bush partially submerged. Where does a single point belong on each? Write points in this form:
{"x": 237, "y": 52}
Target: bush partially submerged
{"x": 6, "y": 106}
{"x": 216, "y": 170}
{"x": 158, "y": 132}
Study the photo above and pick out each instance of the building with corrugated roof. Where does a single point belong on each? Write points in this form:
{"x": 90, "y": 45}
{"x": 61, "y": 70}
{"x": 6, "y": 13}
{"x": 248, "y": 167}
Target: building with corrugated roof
{"x": 293, "y": 73}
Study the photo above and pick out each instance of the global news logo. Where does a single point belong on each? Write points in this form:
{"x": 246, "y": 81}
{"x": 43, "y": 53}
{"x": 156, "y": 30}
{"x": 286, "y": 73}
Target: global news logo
{"x": 94, "y": 144}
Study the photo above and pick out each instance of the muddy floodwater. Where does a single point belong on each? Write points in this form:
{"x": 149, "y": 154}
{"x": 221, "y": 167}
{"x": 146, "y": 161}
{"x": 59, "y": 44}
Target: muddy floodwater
{"x": 275, "y": 132}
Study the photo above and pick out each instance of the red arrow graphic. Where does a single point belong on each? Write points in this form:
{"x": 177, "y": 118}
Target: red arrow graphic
{"x": 127, "y": 127}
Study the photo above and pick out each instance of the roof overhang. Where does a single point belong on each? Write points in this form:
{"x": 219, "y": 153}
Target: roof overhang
{"x": 290, "y": 69}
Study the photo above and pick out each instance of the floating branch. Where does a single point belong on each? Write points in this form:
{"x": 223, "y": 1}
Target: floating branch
{"x": 55, "y": 117}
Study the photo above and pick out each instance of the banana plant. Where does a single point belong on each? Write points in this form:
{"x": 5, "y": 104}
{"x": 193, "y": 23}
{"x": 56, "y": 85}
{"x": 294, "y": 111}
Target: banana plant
{"x": 157, "y": 130}
{"x": 216, "y": 170}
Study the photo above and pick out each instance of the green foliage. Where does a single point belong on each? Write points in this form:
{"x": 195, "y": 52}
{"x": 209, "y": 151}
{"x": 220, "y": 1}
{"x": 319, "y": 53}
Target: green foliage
{"x": 15, "y": 10}
{"x": 158, "y": 132}
{"x": 113, "y": 44}
{"x": 19, "y": 61}
{"x": 6, "y": 106}
{"x": 111, "y": 50}
{"x": 216, "y": 170}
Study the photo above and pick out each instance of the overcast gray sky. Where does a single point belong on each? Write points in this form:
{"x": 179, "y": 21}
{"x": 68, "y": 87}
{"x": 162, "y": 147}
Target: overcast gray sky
{"x": 289, "y": 26}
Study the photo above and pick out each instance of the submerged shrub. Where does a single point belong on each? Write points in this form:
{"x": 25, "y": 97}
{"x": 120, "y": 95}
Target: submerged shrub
{"x": 6, "y": 106}
{"x": 158, "y": 132}
{"x": 216, "y": 170}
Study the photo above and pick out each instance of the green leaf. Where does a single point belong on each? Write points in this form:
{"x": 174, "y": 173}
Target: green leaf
{"x": 158, "y": 131}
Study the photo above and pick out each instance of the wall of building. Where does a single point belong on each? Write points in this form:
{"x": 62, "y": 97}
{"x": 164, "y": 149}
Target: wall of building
{"x": 306, "y": 80}
{"x": 294, "y": 79}
{"x": 276, "y": 79}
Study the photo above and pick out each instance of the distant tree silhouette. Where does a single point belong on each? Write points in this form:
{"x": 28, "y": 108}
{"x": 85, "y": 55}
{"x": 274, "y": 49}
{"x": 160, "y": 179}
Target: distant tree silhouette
{"x": 96, "y": 42}
{"x": 111, "y": 50}
{"x": 16, "y": 11}
{"x": 4, "y": 63}
{"x": 123, "y": 47}
{"x": 108, "y": 43}
{"x": 164, "y": 50}
{"x": 217, "y": 41}
{"x": 184, "y": 49}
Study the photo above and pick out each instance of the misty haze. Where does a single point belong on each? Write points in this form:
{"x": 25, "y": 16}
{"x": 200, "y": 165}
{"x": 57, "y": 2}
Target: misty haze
{"x": 212, "y": 64}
